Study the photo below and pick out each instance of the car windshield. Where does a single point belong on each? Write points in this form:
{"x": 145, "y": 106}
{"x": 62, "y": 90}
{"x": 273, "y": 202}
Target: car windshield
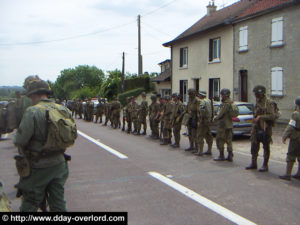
{"x": 245, "y": 109}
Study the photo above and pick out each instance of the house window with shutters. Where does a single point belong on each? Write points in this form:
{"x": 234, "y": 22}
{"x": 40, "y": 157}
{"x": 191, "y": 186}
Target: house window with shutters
{"x": 277, "y": 32}
{"x": 214, "y": 50}
{"x": 243, "y": 39}
{"x": 183, "y": 58}
{"x": 277, "y": 81}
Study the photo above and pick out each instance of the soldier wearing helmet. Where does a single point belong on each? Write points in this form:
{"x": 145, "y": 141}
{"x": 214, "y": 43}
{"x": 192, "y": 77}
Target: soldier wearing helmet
{"x": 205, "y": 111}
{"x": 264, "y": 116}
{"x": 142, "y": 115}
{"x": 176, "y": 119}
{"x": 167, "y": 125}
{"x": 292, "y": 132}
{"x": 191, "y": 117}
{"x": 154, "y": 112}
{"x": 40, "y": 173}
{"x": 224, "y": 123}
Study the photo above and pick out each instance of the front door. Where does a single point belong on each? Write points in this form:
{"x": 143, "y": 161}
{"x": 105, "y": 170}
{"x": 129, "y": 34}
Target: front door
{"x": 244, "y": 85}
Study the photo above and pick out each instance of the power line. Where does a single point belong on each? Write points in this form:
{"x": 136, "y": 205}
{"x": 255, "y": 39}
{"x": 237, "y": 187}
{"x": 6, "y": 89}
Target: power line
{"x": 87, "y": 34}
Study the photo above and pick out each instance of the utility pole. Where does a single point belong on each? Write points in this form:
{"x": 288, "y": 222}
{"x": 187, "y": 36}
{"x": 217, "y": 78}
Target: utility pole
{"x": 140, "y": 59}
{"x": 123, "y": 72}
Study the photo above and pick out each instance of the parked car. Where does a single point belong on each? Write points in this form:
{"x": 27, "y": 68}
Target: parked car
{"x": 242, "y": 124}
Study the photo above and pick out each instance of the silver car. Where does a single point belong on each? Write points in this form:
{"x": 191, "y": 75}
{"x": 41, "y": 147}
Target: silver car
{"x": 241, "y": 124}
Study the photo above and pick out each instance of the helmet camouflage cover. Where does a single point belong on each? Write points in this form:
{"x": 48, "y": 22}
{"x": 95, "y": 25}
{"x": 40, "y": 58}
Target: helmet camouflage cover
{"x": 259, "y": 89}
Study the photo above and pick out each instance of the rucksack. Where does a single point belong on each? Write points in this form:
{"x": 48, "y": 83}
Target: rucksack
{"x": 276, "y": 112}
{"x": 234, "y": 110}
{"x": 62, "y": 130}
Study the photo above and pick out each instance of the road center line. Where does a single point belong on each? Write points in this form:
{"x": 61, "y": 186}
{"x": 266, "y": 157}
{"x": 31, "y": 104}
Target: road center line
{"x": 233, "y": 217}
{"x": 105, "y": 147}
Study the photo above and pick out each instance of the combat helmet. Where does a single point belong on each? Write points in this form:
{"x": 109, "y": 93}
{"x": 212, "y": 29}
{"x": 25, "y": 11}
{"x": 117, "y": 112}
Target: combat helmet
{"x": 144, "y": 94}
{"x": 37, "y": 86}
{"x": 192, "y": 91}
{"x": 259, "y": 89}
{"x": 175, "y": 95}
{"x": 225, "y": 92}
{"x": 202, "y": 93}
{"x": 153, "y": 97}
{"x": 297, "y": 101}
{"x": 29, "y": 79}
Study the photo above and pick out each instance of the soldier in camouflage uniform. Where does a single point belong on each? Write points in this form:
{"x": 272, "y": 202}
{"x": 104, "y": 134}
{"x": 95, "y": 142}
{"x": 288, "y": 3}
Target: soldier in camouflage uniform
{"x": 176, "y": 119}
{"x": 192, "y": 108}
{"x": 134, "y": 107}
{"x": 264, "y": 117}
{"x": 90, "y": 110}
{"x": 206, "y": 132}
{"x": 99, "y": 110}
{"x": 203, "y": 129}
{"x": 225, "y": 125}
{"x": 107, "y": 113}
{"x": 115, "y": 111}
{"x": 142, "y": 115}
{"x": 162, "y": 103}
{"x": 167, "y": 115}
{"x": 74, "y": 106}
{"x": 45, "y": 174}
{"x": 292, "y": 132}
{"x": 124, "y": 112}
{"x": 154, "y": 113}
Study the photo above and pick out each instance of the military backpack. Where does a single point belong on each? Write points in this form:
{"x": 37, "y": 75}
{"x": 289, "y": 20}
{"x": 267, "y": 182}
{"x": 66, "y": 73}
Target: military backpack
{"x": 62, "y": 130}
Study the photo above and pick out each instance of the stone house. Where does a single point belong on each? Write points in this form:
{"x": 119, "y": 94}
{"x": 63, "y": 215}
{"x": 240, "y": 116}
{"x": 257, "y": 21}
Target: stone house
{"x": 267, "y": 51}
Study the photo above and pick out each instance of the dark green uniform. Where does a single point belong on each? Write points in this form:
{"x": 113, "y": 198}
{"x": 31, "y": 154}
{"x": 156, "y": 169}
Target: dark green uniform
{"x": 176, "y": 119}
{"x": 134, "y": 107}
{"x": 167, "y": 122}
{"x": 192, "y": 108}
{"x": 204, "y": 118}
{"x": 262, "y": 131}
{"x": 154, "y": 110}
{"x": 292, "y": 132}
{"x": 115, "y": 111}
{"x": 99, "y": 111}
{"x": 224, "y": 129}
{"x": 142, "y": 115}
{"x": 48, "y": 173}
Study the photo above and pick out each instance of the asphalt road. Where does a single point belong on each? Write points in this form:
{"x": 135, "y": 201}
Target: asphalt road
{"x": 159, "y": 185}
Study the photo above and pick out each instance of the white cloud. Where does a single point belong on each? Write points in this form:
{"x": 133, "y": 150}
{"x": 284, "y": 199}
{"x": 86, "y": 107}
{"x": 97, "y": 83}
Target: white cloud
{"x": 35, "y": 20}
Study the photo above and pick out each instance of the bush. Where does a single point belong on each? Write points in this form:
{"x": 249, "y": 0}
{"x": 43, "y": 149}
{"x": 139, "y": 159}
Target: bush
{"x": 135, "y": 92}
{"x": 134, "y": 82}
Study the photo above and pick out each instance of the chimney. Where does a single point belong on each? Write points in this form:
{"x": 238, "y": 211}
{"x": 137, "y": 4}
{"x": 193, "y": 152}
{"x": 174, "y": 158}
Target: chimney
{"x": 211, "y": 8}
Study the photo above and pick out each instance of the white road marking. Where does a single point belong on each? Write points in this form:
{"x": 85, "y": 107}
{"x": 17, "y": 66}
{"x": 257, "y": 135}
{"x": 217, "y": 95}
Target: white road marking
{"x": 105, "y": 147}
{"x": 233, "y": 217}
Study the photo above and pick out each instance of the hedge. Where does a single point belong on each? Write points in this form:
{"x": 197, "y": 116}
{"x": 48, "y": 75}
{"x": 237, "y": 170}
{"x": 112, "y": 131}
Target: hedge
{"x": 133, "y": 83}
{"x": 135, "y": 92}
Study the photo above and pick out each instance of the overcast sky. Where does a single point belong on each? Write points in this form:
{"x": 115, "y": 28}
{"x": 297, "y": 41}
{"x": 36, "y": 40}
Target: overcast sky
{"x": 46, "y": 36}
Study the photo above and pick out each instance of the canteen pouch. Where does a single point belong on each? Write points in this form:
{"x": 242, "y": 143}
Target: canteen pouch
{"x": 22, "y": 165}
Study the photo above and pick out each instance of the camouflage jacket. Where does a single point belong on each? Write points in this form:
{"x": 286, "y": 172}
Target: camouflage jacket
{"x": 223, "y": 117}
{"x": 154, "y": 108}
{"x": 178, "y": 112}
{"x": 32, "y": 135}
{"x": 265, "y": 110}
{"x": 292, "y": 130}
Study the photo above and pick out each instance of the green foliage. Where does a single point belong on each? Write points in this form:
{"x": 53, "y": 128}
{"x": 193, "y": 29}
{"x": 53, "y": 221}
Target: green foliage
{"x": 135, "y": 92}
{"x": 112, "y": 85}
{"x": 71, "y": 81}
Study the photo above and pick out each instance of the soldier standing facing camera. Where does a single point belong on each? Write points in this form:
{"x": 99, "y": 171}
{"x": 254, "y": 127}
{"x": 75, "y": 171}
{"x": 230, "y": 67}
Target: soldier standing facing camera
{"x": 264, "y": 117}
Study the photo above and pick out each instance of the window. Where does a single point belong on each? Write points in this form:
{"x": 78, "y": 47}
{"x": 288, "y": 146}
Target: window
{"x": 243, "y": 38}
{"x": 214, "y": 89}
{"x": 277, "y": 81}
{"x": 277, "y": 32}
{"x": 183, "y": 90}
{"x": 214, "y": 50}
{"x": 183, "y": 57}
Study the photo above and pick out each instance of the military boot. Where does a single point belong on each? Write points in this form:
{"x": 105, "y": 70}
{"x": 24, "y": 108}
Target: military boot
{"x": 221, "y": 156}
{"x": 189, "y": 149}
{"x": 165, "y": 142}
{"x": 175, "y": 145}
{"x": 230, "y": 156}
{"x": 208, "y": 152}
{"x": 287, "y": 175}
{"x": 144, "y": 133}
{"x": 265, "y": 167}
{"x": 253, "y": 165}
{"x": 200, "y": 150}
{"x": 297, "y": 175}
